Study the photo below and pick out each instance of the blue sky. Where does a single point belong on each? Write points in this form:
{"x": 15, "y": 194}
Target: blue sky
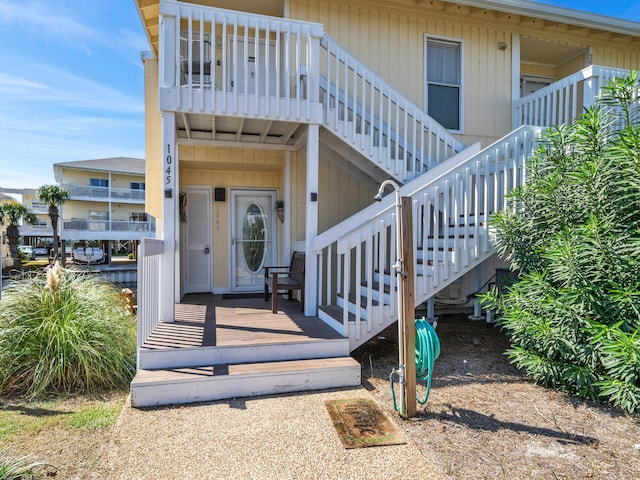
{"x": 71, "y": 82}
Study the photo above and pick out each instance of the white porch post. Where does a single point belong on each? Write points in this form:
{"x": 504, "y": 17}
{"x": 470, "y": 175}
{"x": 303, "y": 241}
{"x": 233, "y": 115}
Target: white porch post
{"x": 169, "y": 202}
{"x": 515, "y": 78}
{"x": 286, "y": 249}
{"x": 311, "y": 263}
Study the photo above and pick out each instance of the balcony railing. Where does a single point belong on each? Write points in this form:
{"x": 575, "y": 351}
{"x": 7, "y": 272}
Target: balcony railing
{"x": 238, "y": 64}
{"x": 104, "y": 193}
{"x": 83, "y": 224}
{"x": 563, "y": 101}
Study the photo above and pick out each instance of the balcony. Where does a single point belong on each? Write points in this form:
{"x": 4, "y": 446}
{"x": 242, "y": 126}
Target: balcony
{"x": 103, "y": 194}
{"x": 39, "y": 208}
{"x": 86, "y": 229}
{"x": 235, "y": 64}
{"x": 563, "y": 101}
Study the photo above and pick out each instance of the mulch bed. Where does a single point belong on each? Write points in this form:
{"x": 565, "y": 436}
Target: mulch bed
{"x": 491, "y": 422}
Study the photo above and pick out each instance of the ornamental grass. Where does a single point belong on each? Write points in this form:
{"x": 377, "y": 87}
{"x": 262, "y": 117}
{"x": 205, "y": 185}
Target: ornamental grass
{"x": 64, "y": 332}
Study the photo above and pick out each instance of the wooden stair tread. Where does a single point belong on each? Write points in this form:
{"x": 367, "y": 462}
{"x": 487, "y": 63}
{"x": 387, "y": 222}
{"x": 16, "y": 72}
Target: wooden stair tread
{"x": 219, "y": 371}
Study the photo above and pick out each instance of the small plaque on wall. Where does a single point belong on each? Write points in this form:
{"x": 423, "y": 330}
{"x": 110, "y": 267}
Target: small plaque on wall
{"x": 219, "y": 194}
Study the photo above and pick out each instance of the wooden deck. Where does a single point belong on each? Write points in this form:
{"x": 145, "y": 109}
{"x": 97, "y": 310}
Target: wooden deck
{"x": 207, "y": 320}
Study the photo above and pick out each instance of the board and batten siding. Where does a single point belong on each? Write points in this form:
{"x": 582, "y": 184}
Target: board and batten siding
{"x": 153, "y": 144}
{"x": 390, "y": 42}
{"x": 229, "y": 168}
{"x": 388, "y": 37}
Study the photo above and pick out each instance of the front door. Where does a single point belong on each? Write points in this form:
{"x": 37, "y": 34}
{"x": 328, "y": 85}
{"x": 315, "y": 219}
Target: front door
{"x": 196, "y": 217}
{"x": 253, "y": 237}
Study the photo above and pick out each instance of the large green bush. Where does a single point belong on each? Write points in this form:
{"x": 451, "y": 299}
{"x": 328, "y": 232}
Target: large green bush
{"x": 64, "y": 332}
{"x": 573, "y": 232}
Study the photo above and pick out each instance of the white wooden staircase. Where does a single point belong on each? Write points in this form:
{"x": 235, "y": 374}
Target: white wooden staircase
{"x": 377, "y": 132}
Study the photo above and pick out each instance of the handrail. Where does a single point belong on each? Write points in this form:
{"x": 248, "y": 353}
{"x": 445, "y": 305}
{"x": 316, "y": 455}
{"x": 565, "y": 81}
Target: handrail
{"x": 563, "y": 101}
{"x": 249, "y": 56}
{"x": 355, "y": 94}
{"x": 451, "y": 204}
{"x": 149, "y": 257}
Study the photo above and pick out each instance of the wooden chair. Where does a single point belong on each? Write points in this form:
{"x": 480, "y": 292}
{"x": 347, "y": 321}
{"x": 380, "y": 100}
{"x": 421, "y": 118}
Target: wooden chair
{"x": 285, "y": 278}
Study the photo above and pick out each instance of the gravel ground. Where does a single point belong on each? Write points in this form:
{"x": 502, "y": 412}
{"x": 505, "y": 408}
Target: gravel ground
{"x": 277, "y": 437}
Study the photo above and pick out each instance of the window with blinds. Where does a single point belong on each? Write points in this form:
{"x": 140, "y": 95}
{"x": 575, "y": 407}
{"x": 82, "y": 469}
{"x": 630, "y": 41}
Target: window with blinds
{"x": 443, "y": 74}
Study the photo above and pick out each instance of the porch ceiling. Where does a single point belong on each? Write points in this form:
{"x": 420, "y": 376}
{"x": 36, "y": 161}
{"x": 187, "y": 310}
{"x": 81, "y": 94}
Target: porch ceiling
{"x": 546, "y": 52}
{"x": 236, "y": 131}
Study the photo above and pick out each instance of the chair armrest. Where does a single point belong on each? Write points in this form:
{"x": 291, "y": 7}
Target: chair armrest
{"x": 266, "y": 269}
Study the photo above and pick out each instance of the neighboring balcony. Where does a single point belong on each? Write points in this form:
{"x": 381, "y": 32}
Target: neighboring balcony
{"x": 102, "y": 194}
{"x": 86, "y": 229}
{"x": 39, "y": 208}
{"x": 563, "y": 101}
{"x": 38, "y": 230}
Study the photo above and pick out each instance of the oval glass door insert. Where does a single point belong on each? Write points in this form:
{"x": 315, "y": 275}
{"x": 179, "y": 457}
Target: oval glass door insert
{"x": 253, "y": 237}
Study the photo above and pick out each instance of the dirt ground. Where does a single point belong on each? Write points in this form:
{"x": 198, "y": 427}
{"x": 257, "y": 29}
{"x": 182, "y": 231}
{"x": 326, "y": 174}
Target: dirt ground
{"x": 490, "y": 422}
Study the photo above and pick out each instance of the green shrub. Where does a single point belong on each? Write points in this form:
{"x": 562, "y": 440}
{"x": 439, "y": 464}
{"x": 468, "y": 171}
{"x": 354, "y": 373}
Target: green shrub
{"x": 573, "y": 232}
{"x": 64, "y": 332}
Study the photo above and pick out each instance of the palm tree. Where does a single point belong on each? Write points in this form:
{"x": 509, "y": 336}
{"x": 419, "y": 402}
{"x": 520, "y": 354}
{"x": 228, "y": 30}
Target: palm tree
{"x": 53, "y": 196}
{"x": 10, "y": 215}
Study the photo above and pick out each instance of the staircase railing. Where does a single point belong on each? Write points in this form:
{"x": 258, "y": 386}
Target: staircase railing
{"x": 563, "y": 101}
{"x": 451, "y": 203}
{"x": 368, "y": 113}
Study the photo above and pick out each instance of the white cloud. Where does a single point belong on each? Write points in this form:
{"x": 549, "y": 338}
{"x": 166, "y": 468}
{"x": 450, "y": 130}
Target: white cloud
{"x": 47, "y": 18}
{"x": 42, "y": 83}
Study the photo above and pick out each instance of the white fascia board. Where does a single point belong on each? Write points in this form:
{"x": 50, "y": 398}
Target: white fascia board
{"x": 557, "y": 14}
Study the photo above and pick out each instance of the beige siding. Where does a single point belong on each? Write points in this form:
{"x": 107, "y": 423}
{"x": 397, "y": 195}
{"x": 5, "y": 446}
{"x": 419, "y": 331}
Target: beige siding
{"x": 390, "y": 41}
{"x": 229, "y": 168}
{"x": 605, "y": 54}
{"x": 81, "y": 177}
{"x": 153, "y": 126}
{"x": 77, "y": 209}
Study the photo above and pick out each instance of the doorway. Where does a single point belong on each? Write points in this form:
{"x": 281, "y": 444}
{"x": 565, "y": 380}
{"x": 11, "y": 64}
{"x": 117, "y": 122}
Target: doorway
{"x": 253, "y": 238}
{"x": 196, "y": 217}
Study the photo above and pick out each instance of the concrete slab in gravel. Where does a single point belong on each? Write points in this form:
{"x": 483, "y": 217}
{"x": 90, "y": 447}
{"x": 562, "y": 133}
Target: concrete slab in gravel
{"x": 276, "y": 437}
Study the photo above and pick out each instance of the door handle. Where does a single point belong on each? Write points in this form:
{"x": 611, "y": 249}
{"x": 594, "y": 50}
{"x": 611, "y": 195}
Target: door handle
{"x": 206, "y": 249}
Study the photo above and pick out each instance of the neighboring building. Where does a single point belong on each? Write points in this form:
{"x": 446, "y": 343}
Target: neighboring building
{"x": 317, "y": 102}
{"x": 4, "y": 244}
{"x": 105, "y": 207}
{"x": 106, "y": 202}
{"x": 40, "y": 234}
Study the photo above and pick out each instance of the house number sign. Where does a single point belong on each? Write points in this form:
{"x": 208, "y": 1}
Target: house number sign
{"x": 168, "y": 161}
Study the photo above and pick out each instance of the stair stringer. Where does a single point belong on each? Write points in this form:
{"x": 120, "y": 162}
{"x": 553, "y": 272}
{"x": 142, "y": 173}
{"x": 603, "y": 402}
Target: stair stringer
{"x": 448, "y": 202}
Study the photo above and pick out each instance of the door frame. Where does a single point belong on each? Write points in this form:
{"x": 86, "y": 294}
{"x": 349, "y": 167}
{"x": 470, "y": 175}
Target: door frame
{"x": 185, "y": 236}
{"x": 233, "y": 192}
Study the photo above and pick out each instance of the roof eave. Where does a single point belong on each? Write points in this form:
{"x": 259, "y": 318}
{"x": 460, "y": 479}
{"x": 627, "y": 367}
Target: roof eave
{"x": 557, "y": 14}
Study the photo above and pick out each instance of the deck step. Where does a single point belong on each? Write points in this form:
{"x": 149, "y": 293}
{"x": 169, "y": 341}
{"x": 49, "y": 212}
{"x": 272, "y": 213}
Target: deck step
{"x": 154, "y": 359}
{"x": 206, "y": 383}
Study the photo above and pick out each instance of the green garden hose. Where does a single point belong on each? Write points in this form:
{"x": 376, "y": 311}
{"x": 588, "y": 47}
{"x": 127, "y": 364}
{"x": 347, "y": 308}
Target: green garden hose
{"x": 427, "y": 350}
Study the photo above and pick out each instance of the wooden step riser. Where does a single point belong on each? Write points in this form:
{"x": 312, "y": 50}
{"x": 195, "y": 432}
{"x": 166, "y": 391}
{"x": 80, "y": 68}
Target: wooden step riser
{"x": 192, "y": 357}
{"x": 200, "y": 387}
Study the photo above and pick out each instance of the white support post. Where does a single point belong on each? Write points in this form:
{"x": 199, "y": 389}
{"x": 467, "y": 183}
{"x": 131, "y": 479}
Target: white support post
{"x": 169, "y": 200}
{"x": 515, "y": 78}
{"x": 311, "y": 230}
{"x": 477, "y": 305}
{"x": 168, "y": 60}
{"x": 287, "y": 210}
